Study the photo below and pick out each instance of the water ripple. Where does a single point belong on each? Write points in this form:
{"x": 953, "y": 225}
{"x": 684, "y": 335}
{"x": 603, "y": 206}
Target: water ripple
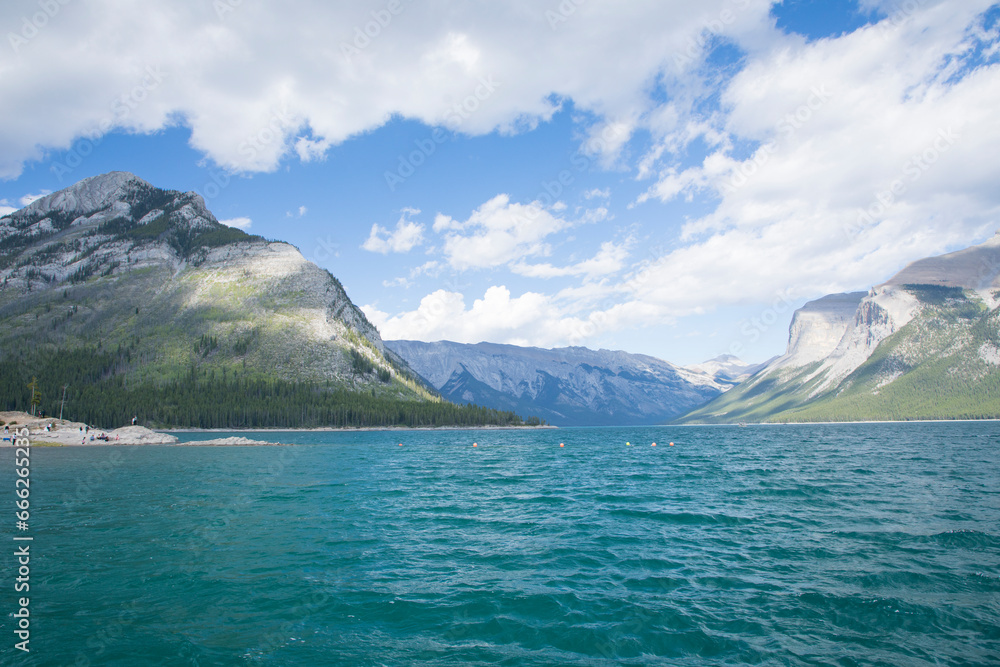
{"x": 797, "y": 545}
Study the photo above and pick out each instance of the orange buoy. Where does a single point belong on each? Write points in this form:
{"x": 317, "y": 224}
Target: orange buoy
{"x": 561, "y": 444}
{"x": 475, "y": 444}
{"x": 671, "y": 444}
{"x": 400, "y": 444}
{"x": 654, "y": 444}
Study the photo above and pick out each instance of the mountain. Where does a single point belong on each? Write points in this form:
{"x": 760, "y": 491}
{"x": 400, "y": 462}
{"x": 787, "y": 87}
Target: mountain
{"x": 115, "y": 284}
{"x": 727, "y": 368}
{"x": 923, "y": 345}
{"x": 564, "y": 386}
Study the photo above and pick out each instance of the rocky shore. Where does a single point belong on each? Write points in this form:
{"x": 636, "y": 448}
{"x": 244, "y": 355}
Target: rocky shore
{"x": 59, "y": 432}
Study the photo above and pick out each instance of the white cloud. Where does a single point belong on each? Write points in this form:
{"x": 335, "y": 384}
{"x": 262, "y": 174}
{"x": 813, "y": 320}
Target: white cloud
{"x": 572, "y": 317}
{"x": 427, "y": 268}
{"x": 500, "y": 232}
{"x": 239, "y": 223}
{"x": 530, "y": 319}
{"x": 606, "y": 140}
{"x": 6, "y": 208}
{"x": 608, "y": 261}
{"x": 309, "y": 150}
{"x": 875, "y": 148}
{"x": 430, "y": 268}
{"x": 597, "y": 193}
{"x": 27, "y": 199}
{"x": 405, "y": 237}
{"x": 397, "y": 282}
{"x": 257, "y": 83}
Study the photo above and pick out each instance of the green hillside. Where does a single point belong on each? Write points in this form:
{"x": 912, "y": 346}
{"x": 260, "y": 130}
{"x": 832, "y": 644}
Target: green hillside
{"x": 758, "y": 399}
{"x": 141, "y": 303}
{"x": 203, "y": 398}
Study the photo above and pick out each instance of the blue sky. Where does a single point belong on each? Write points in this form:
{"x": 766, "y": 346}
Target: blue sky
{"x": 667, "y": 178}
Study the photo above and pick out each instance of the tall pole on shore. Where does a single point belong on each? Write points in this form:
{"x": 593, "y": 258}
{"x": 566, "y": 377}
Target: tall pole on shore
{"x": 63, "y": 404}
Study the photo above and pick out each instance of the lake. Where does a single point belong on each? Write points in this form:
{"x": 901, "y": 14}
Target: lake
{"x": 873, "y": 544}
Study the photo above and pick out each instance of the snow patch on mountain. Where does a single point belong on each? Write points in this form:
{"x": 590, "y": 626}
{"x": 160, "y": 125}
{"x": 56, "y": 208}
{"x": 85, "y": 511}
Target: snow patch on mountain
{"x": 726, "y": 370}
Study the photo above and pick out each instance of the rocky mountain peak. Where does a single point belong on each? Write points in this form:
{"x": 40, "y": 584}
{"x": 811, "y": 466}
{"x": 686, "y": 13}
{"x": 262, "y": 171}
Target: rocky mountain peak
{"x": 110, "y": 220}
{"x": 116, "y": 197}
{"x": 976, "y": 268}
{"x": 140, "y": 256}
{"x": 92, "y": 194}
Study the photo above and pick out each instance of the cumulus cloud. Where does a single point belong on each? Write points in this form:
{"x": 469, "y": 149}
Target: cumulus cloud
{"x": 872, "y": 149}
{"x": 406, "y": 236}
{"x": 866, "y": 151}
{"x": 529, "y": 319}
{"x": 597, "y": 193}
{"x": 571, "y": 317}
{"x": 498, "y": 232}
{"x": 258, "y": 83}
{"x": 501, "y": 232}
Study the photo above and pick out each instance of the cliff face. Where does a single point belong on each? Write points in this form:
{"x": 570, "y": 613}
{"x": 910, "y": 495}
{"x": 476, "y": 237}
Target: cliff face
{"x": 115, "y": 263}
{"x": 565, "y": 386}
{"x": 883, "y": 312}
{"x": 917, "y": 346}
{"x": 817, "y": 329}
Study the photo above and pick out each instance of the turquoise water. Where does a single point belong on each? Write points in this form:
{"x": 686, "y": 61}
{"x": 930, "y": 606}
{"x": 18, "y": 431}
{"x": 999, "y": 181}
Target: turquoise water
{"x": 784, "y": 545}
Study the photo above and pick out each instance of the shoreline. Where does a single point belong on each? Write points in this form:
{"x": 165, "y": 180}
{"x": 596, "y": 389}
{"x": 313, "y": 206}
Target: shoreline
{"x": 894, "y": 421}
{"x": 53, "y": 432}
{"x": 351, "y": 429}
{"x": 192, "y": 443}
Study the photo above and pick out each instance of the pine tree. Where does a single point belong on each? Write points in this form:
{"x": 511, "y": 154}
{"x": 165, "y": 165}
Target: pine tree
{"x": 36, "y": 396}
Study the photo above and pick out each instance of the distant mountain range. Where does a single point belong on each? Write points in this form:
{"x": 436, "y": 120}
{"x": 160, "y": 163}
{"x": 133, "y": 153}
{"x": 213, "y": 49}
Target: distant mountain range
{"x": 137, "y": 297}
{"x": 569, "y": 386}
{"x": 923, "y": 345}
